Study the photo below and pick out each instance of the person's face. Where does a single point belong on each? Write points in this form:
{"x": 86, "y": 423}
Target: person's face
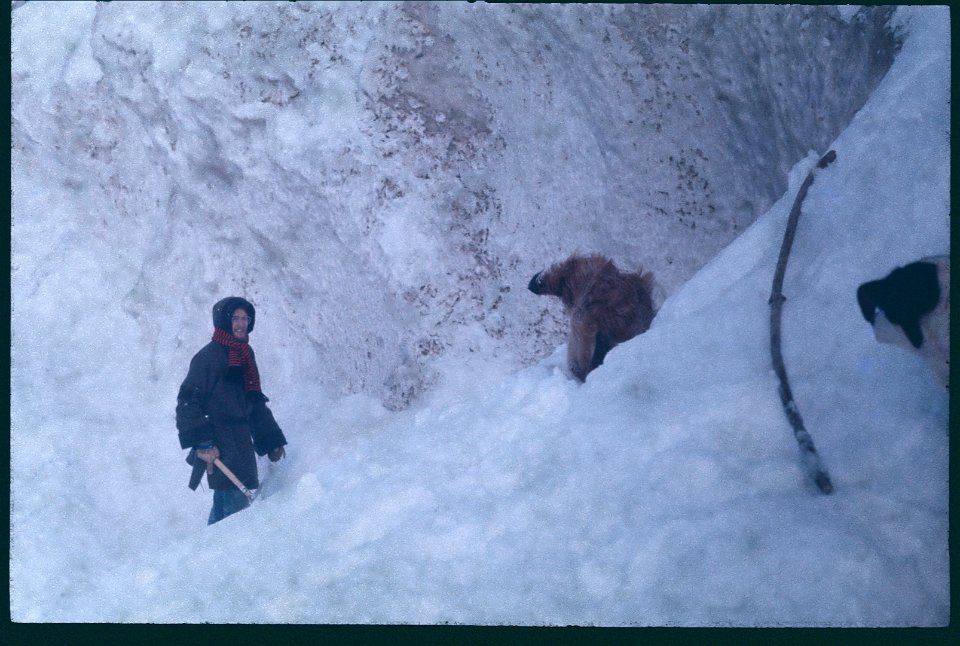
{"x": 239, "y": 323}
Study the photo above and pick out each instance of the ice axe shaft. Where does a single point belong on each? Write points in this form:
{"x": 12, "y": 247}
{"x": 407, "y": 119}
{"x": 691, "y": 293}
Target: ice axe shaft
{"x": 233, "y": 478}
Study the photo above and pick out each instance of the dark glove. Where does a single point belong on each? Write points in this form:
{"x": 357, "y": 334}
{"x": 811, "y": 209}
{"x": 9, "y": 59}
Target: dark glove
{"x": 276, "y": 454}
{"x": 198, "y": 468}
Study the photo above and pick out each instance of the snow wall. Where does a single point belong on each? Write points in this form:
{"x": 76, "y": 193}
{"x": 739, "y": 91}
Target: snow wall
{"x": 381, "y": 180}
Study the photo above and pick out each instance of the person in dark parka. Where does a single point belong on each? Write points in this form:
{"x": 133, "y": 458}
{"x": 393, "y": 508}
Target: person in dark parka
{"x": 222, "y": 412}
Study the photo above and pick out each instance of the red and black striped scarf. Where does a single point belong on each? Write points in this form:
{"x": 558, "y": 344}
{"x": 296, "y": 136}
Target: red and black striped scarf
{"x": 240, "y": 356}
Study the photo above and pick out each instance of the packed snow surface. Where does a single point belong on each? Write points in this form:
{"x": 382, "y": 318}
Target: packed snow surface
{"x": 166, "y": 155}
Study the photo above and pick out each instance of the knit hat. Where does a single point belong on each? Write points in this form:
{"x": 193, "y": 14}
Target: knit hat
{"x": 223, "y": 311}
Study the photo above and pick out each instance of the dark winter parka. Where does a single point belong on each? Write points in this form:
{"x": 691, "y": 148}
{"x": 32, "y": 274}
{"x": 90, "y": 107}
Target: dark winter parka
{"x": 213, "y": 406}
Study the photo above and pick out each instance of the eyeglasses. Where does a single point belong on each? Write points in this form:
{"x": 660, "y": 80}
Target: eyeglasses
{"x": 239, "y": 319}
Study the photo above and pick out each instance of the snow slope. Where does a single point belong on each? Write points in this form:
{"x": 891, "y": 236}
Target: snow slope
{"x": 666, "y": 490}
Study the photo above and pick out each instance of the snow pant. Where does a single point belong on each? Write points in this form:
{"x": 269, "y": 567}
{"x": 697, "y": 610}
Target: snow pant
{"x": 226, "y": 502}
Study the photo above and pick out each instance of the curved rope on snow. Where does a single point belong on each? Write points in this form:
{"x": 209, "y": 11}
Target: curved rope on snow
{"x": 811, "y": 459}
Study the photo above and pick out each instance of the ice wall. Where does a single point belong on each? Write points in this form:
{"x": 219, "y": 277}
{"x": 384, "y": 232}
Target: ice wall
{"x": 382, "y": 179}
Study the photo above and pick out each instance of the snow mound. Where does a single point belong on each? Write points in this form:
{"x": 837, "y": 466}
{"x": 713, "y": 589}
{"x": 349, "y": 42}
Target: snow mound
{"x": 666, "y": 490}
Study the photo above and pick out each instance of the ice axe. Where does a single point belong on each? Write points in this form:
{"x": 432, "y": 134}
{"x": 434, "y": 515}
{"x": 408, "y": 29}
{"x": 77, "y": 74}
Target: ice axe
{"x": 234, "y": 479}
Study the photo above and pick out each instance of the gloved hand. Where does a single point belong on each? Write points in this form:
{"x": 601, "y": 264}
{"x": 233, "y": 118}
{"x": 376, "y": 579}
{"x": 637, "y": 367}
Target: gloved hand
{"x": 209, "y": 455}
{"x": 276, "y": 454}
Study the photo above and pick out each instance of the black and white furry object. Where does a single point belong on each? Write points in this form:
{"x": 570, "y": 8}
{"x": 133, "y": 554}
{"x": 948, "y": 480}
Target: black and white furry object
{"x": 910, "y": 308}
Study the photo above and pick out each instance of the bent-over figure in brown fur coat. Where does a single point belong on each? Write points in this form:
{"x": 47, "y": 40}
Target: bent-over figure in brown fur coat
{"x": 606, "y": 306}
